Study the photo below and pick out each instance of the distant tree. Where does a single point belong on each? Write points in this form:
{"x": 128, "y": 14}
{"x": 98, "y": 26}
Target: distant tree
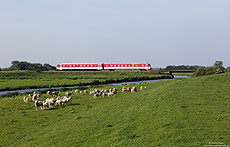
{"x": 228, "y": 69}
{"x": 215, "y": 69}
{"x": 219, "y": 67}
{"x": 23, "y": 65}
{"x": 49, "y": 67}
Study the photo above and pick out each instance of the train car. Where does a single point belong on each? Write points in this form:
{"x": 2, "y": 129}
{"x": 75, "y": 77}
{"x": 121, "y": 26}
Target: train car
{"x": 127, "y": 66}
{"x": 103, "y": 66}
{"x": 79, "y": 66}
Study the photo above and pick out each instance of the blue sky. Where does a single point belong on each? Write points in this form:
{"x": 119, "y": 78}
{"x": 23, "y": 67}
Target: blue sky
{"x": 161, "y": 32}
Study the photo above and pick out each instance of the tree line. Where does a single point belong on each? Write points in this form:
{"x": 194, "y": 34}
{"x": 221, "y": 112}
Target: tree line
{"x": 23, "y": 65}
{"x": 217, "y": 68}
{"x": 182, "y": 67}
{"x": 201, "y": 70}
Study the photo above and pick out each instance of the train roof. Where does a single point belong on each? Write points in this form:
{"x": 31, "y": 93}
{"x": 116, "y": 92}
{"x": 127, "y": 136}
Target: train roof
{"x": 110, "y": 63}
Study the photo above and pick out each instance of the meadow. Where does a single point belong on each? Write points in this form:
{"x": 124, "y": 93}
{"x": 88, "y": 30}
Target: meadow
{"x": 180, "y": 112}
{"x": 29, "y": 79}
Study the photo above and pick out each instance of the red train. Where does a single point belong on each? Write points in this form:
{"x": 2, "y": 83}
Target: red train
{"x": 103, "y": 66}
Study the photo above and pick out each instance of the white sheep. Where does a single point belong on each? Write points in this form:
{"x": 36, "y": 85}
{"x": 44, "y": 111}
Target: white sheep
{"x": 49, "y": 93}
{"x": 76, "y": 91}
{"x": 68, "y": 93}
{"x": 35, "y": 97}
{"x": 124, "y": 89}
{"x": 26, "y": 99}
{"x": 110, "y": 94}
{"x": 85, "y": 91}
{"x": 37, "y": 104}
{"x": 141, "y": 88}
{"x": 55, "y": 93}
{"x": 45, "y": 105}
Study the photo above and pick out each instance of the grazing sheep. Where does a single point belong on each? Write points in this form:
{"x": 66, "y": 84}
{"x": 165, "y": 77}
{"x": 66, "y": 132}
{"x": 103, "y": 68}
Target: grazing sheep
{"x": 51, "y": 102}
{"x": 65, "y": 100}
{"x": 106, "y": 90}
{"x": 95, "y": 95}
{"x": 81, "y": 92}
{"x": 59, "y": 102}
{"x": 49, "y": 93}
{"x": 38, "y": 95}
{"x": 128, "y": 89}
{"x": 110, "y": 94}
{"x": 132, "y": 91}
{"x": 37, "y": 104}
{"x": 96, "y": 90}
{"x": 124, "y": 89}
{"x": 35, "y": 97}
{"x": 145, "y": 88}
{"x": 91, "y": 92}
{"x": 104, "y": 95}
{"x": 135, "y": 88}
{"x": 76, "y": 91}
{"x": 30, "y": 95}
{"x": 85, "y": 91}
{"x": 141, "y": 88}
{"x": 26, "y": 99}
{"x": 55, "y": 93}
{"x": 58, "y": 98}
{"x": 68, "y": 93}
{"x": 45, "y": 105}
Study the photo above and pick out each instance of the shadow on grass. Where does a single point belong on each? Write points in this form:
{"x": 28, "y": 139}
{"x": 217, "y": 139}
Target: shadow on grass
{"x": 74, "y": 104}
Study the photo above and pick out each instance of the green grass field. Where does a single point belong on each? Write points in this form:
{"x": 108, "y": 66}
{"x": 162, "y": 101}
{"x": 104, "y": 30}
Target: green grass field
{"x": 29, "y": 79}
{"x": 184, "y": 73}
{"x": 181, "y": 112}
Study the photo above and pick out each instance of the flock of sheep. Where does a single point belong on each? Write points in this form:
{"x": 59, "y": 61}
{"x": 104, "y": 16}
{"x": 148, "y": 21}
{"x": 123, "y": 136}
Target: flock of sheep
{"x": 58, "y": 100}
{"x": 49, "y": 102}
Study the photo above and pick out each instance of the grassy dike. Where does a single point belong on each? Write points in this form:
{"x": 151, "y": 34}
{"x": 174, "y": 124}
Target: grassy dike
{"x": 29, "y": 79}
{"x": 181, "y": 112}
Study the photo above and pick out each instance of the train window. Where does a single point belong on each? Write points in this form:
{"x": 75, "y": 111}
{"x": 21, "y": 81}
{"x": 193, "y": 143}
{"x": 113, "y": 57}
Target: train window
{"x": 136, "y": 65}
{"x": 115, "y": 65}
{"x": 111, "y": 65}
{"x": 143, "y": 65}
{"x": 69, "y": 65}
{"x": 80, "y": 65}
{"x": 121, "y": 65}
{"x": 63, "y": 65}
{"x": 129, "y": 65}
{"x": 84, "y": 65}
{"x": 118, "y": 65}
{"x": 106, "y": 65}
{"x": 91, "y": 65}
{"x": 87, "y": 65}
{"x": 133, "y": 65}
{"x": 125, "y": 65}
{"x": 77, "y": 65}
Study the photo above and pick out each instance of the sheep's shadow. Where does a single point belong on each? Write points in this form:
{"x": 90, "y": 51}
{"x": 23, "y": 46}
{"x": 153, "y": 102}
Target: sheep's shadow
{"x": 73, "y": 104}
{"x": 54, "y": 108}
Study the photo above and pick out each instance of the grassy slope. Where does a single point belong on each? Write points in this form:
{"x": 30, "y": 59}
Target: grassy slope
{"x": 29, "y": 79}
{"x": 183, "y": 73}
{"x": 185, "y": 112}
